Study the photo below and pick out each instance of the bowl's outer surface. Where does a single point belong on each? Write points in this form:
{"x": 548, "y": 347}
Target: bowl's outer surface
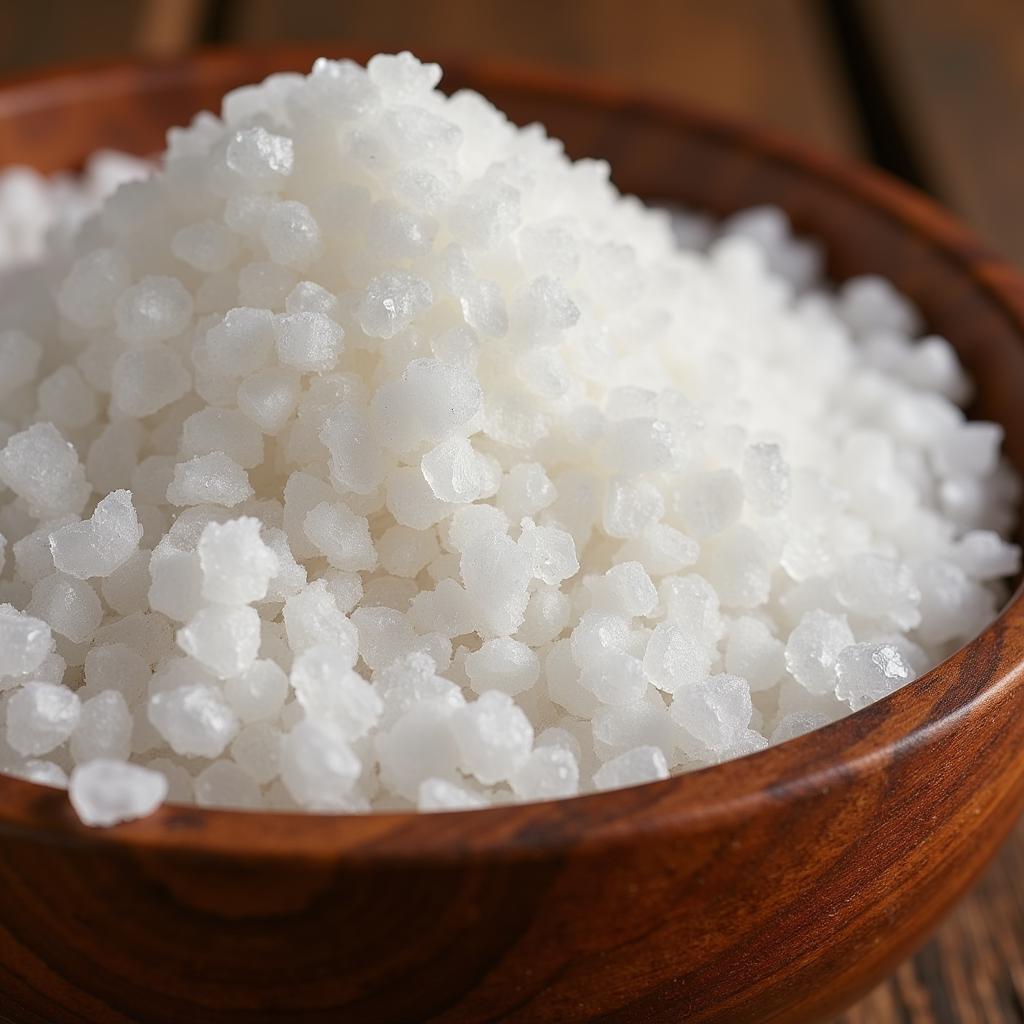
{"x": 776, "y": 888}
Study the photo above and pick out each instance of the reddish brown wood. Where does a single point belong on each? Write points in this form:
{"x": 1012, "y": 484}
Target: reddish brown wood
{"x": 956, "y": 71}
{"x": 775, "y": 888}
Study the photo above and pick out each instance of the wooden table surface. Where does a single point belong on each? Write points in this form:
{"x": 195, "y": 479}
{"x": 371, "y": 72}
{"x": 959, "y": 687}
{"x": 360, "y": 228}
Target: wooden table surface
{"x": 933, "y": 90}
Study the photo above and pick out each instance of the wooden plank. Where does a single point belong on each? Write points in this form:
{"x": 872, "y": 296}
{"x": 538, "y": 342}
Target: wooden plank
{"x": 956, "y": 69}
{"x": 168, "y": 28}
{"x": 768, "y": 62}
{"x": 36, "y": 33}
{"x": 972, "y": 971}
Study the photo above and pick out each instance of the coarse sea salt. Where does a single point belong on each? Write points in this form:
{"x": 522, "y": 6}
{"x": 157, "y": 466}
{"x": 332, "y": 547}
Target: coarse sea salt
{"x": 427, "y": 471}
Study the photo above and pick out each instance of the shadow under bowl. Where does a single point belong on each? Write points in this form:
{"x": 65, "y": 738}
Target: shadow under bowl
{"x": 774, "y": 888}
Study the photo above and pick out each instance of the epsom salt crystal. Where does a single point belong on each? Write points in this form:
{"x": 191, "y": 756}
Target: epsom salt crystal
{"x": 194, "y": 720}
{"x": 41, "y": 716}
{"x": 867, "y": 672}
{"x": 24, "y": 642}
{"x": 634, "y": 767}
{"x": 101, "y": 544}
{"x": 105, "y": 792}
{"x": 371, "y": 454}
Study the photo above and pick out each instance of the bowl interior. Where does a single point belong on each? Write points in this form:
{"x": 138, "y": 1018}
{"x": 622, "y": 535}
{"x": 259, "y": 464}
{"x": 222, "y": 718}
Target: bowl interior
{"x": 868, "y": 224}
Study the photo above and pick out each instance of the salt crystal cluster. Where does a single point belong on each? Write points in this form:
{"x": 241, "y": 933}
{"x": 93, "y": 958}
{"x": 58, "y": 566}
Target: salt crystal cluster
{"x": 373, "y": 455}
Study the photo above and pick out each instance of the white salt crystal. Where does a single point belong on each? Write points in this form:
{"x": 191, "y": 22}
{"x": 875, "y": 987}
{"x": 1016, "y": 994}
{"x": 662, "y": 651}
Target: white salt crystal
{"x": 257, "y": 751}
{"x": 291, "y": 234}
{"x": 753, "y": 653}
{"x": 984, "y": 555}
{"x": 206, "y": 246}
{"x": 411, "y": 501}
{"x": 262, "y": 159}
{"x": 875, "y": 587}
{"x": 625, "y": 590}
{"x": 867, "y": 672}
{"x": 225, "y": 784}
{"x": 155, "y": 309}
{"x": 341, "y": 536}
{"x": 549, "y": 773}
{"x": 715, "y": 714}
{"x": 738, "y": 564}
{"x": 419, "y": 745}
{"x": 708, "y": 502}
{"x": 691, "y": 601}
{"x": 148, "y": 380}
{"x": 494, "y": 737}
{"x": 117, "y": 667}
{"x": 432, "y": 401}
{"x": 66, "y": 399}
{"x": 43, "y": 773}
{"x": 871, "y": 303}
{"x": 391, "y": 302}
{"x": 43, "y": 469}
{"x": 503, "y": 664}
{"x": 797, "y": 724}
{"x": 633, "y": 768}
{"x": 214, "y": 479}
{"x": 24, "y": 642}
{"x": 222, "y": 430}
{"x": 950, "y": 602}
{"x": 194, "y": 720}
{"x": 458, "y": 473}
{"x": 442, "y": 795}
{"x": 265, "y": 285}
{"x": 241, "y": 343}
{"x": 176, "y": 581}
{"x": 309, "y": 297}
{"x": 268, "y": 397}
{"x": 69, "y": 606}
{"x": 258, "y": 693}
{"x": 496, "y": 574}
{"x": 105, "y": 792}
{"x": 971, "y": 449}
{"x": 309, "y": 342}
{"x": 312, "y": 617}
{"x": 236, "y": 565}
{"x": 405, "y": 552}
{"x": 101, "y": 544}
{"x": 225, "y": 639}
{"x": 630, "y": 507}
{"x": 765, "y": 478}
{"x": 330, "y": 691}
{"x": 551, "y": 553}
{"x": 674, "y": 659}
{"x": 661, "y": 549}
{"x": 40, "y": 717}
{"x": 813, "y": 647}
{"x": 318, "y": 766}
{"x": 19, "y": 360}
{"x": 547, "y": 614}
{"x": 96, "y": 280}
{"x": 104, "y": 729}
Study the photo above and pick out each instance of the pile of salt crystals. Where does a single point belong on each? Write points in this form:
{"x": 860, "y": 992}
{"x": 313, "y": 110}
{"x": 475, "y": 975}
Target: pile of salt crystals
{"x": 373, "y": 455}
{"x": 35, "y": 210}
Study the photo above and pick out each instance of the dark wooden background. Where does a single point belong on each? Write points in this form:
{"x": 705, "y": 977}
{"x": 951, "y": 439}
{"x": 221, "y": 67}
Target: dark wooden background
{"x": 932, "y": 90}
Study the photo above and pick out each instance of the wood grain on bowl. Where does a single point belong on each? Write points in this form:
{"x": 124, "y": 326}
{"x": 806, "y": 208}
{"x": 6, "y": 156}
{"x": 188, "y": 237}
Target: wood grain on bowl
{"x": 775, "y": 888}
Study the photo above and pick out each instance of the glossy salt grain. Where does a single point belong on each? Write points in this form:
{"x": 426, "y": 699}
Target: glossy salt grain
{"x": 106, "y": 792}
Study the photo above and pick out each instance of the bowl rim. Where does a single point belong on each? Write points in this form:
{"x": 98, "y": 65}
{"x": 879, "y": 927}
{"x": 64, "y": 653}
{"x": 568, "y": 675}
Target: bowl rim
{"x": 720, "y": 795}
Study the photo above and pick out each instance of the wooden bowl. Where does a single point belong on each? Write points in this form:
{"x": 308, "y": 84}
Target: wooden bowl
{"x": 774, "y": 888}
